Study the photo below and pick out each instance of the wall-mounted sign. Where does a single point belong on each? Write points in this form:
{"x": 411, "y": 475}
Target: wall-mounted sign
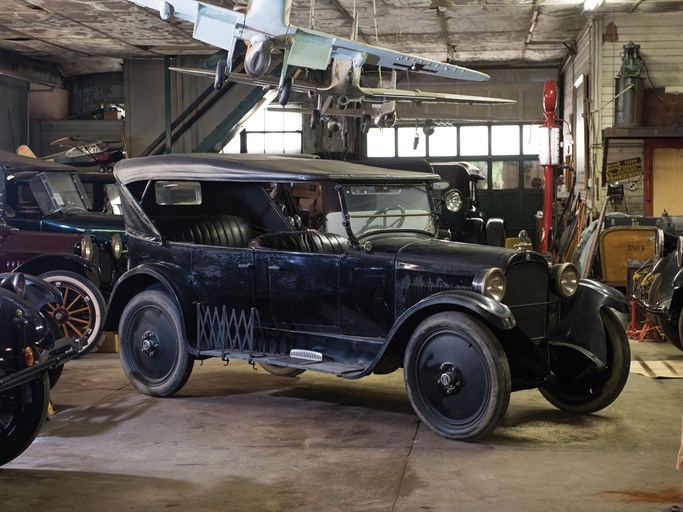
{"x": 623, "y": 169}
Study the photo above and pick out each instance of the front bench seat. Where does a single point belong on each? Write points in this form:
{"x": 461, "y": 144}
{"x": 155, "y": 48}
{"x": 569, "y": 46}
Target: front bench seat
{"x": 216, "y": 230}
{"x": 302, "y": 241}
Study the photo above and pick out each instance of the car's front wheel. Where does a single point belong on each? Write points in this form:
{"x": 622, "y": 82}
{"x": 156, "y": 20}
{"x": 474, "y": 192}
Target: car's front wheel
{"x": 22, "y": 413}
{"x": 153, "y": 349}
{"x": 81, "y": 313}
{"x": 457, "y": 376}
{"x": 580, "y": 387}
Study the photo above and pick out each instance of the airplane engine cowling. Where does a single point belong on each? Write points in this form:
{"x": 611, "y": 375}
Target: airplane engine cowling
{"x": 257, "y": 58}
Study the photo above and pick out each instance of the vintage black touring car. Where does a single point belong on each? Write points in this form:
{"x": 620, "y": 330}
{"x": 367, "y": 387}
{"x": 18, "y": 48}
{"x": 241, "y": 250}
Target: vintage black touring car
{"x": 305, "y": 264}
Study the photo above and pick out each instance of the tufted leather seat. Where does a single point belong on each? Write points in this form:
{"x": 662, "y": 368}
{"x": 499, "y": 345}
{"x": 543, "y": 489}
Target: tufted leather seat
{"x": 302, "y": 241}
{"x": 217, "y": 230}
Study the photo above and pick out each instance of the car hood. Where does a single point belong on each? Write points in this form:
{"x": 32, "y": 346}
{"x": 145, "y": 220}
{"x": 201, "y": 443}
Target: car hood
{"x": 448, "y": 257}
{"x": 427, "y": 267}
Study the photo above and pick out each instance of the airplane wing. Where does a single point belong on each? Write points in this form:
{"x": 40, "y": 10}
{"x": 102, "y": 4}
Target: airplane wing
{"x": 375, "y": 95}
{"x": 367, "y": 95}
{"x": 304, "y": 48}
{"x": 383, "y": 57}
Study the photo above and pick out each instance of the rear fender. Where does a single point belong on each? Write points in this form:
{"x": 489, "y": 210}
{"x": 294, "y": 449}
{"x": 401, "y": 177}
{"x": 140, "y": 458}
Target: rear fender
{"x": 169, "y": 278}
{"x": 578, "y": 321}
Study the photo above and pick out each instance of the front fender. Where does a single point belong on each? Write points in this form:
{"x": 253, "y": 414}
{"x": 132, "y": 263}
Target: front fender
{"x": 168, "y": 277}
{"x": 578, "y": 321}
{"x": 492, "y": 312}
{"x": 59, "y": 261}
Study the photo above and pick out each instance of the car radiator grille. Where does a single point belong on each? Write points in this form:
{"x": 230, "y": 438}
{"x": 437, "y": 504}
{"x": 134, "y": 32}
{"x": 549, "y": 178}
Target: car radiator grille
{"x": 527, "y": 296}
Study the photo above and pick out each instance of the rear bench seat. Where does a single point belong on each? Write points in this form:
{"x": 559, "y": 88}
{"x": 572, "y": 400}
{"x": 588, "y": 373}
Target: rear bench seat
{"x": 302, "y": 241}
{"x": 217, "y": 230}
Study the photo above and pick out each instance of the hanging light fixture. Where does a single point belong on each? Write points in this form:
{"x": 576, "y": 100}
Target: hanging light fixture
{"x": 442, "y": 5}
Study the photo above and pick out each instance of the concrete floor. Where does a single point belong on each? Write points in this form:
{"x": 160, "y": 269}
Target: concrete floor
{"x": 238, "y": 439}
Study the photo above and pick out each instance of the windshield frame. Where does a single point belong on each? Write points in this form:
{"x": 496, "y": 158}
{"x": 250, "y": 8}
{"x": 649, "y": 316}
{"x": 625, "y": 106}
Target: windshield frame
{"x": 348, "y": 215}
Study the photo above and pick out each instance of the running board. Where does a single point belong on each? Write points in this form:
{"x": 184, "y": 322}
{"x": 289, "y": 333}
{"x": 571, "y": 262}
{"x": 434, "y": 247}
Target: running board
{"x": 338, "y": 369}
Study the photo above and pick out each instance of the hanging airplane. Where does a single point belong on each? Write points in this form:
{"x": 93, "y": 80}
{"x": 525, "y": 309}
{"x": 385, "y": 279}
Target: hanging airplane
{"x": 343, "y": 83}
{"x": 265, "y": 27}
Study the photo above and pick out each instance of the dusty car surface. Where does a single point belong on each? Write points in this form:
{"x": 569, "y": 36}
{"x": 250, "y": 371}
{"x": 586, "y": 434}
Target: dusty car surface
{"x": 49, "y": 197}
{"x": 69, "y": 262}
{"x": 30, "y": 348}
{"x": 224, "y": 265}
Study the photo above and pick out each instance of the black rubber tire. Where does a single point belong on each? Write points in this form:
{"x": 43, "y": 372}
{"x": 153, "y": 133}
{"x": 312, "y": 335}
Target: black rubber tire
{"x": 671, "y": 331}
{"x": 594, "y": 392}
{"x": 315, "y": 118}
{"x": 285, "y": 92}
{"x": 53, "y": 374}
{"x": 152, "y": 344}
{"x": 83, "y": 311}
{"x": 365, "y": 124}
{"x": 281, "y": 371}
{"x": 221, "y": 67}
{"x": 21, "y": 422}
{"x": 456, "y": 344}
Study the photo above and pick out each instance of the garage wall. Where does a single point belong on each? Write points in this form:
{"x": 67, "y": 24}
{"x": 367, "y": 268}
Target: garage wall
{"x": 13, "y": 113}
{"x": 661, "y": 47}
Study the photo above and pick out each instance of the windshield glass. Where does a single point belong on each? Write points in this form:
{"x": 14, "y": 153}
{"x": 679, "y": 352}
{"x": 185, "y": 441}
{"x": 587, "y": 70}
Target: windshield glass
{"x": 59, "y": 191}
{"x": 373, "y": 208}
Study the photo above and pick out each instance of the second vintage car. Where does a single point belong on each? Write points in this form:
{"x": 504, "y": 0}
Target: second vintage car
{"x": 220, "y": 268}
{"x": 49, "y": 197}
{"x": 69, "y": 262}
{"x": 664, "y": 296}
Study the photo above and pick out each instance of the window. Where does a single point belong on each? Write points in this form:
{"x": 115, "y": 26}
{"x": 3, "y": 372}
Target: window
{"x": 507, "y": 154}
{"x": 273, "y": 130}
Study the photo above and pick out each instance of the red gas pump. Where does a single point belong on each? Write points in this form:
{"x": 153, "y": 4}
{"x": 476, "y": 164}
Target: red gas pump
{"x": 549, "y": 157}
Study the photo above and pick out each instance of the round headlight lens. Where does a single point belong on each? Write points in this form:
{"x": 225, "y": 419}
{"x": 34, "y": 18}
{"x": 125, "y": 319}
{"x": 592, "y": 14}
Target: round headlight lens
{"x": 116, "y": 246}
{"x": 453, "y": 201}
{"x": 659, "y": 243}
{"x": 566, "y": 279}
{"x": 86, "y": 247}
{"x": 491, "y": 283}
{"x": 679, "y": 251}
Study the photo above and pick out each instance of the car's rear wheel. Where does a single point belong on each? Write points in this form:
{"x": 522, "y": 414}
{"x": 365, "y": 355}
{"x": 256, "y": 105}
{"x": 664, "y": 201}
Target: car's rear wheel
{"x": 457, "y": 376}
{"x": 281, "y": 371}
{"x": 22, "y": 413}
{"x": 81, "y": 313}
{"x": 153, "y": 349}
{"x": 580, "y": 387}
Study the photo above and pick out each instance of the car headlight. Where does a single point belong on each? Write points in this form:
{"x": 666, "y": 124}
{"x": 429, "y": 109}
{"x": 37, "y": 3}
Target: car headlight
{"x": 491, "y": 283}
{"x": 659, "y": 243}
{"x": 679, "y": 251}
{"x": 86, "y": 248}
{"x": 453, "y": 200}
{"x": 565, "y": 277}
{"x": 116, "y": 246}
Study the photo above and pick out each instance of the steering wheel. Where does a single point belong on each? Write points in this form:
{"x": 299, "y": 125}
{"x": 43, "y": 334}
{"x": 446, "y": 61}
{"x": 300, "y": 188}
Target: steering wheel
{"x": 395, "y": 224}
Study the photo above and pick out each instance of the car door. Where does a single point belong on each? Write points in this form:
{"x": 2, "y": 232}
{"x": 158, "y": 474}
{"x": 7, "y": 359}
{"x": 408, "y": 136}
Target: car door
{"x": 303, "y": 290}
